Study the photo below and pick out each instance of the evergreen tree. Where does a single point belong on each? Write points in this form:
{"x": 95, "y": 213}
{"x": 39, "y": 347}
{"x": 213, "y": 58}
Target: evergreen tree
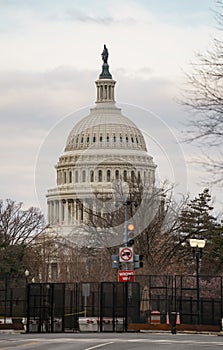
{"x": 197, "y": 221}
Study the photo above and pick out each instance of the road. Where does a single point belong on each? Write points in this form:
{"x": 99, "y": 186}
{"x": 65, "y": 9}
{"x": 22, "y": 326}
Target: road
{"x": 110, "y": 341}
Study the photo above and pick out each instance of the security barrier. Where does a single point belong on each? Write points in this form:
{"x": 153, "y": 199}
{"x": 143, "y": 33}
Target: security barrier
{"x": 155, "y": 317}
{"x": 111, "y": 306}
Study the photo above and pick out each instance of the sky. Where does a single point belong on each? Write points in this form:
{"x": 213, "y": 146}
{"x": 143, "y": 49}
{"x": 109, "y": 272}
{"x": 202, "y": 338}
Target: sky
{"x": 50, "y": 59}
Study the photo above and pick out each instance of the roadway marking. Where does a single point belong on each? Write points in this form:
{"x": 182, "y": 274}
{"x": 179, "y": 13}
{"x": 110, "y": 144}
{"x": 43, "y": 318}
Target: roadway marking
{"x": 174, "y": 341}
{"x": 20, "y": 345}
{"x": 100, "y": 345}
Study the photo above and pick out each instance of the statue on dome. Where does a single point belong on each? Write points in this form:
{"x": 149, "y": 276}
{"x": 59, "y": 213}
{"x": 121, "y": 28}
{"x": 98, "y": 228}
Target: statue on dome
{"x": 104, "y": 54}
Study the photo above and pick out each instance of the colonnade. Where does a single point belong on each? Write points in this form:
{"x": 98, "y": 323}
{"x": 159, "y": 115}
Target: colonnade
{"x": 66, "y": 212}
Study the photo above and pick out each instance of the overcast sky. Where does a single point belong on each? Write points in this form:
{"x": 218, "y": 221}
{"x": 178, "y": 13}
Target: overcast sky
{"x": 50, "y": 58}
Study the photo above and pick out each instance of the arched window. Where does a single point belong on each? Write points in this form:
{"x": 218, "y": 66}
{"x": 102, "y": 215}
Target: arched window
{"x": 100, "y": 139}
{"x": 92, "y": 176}
{"x": 107, "y": 138}
{"x": 108, "y": 175}
{"x": 88, "y": 139}
{"x": 132, "y": 175}
{"x": 83, "y": 176}
{"x": 70, "y": 177}
{"x": 76, "y": 176}
{"x": 120, "y": 138}
{"x": 125, "y": 175}
{"x": 65, "y": 177}
{"x": 82, "y": 139}
{"x": 116, "y": 174}
{"x": 114, "y": 138}
{"x": 132, "y": 139}
{"x": 94, "y": 139}
{"x": 127, "y": 139}
{"x": 99, "y": 175}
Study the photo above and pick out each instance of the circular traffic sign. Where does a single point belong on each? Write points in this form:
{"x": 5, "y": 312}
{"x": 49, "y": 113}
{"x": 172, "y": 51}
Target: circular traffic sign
{"x": 126, "y": 254}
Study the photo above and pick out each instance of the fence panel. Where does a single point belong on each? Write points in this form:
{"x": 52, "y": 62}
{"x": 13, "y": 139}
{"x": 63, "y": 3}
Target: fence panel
{"x": 111, "y": 306}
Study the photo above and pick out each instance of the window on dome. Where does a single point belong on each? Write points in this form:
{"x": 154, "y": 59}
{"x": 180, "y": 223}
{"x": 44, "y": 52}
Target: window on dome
{"x": 139, "y": 176}
{"x": 99, "y": 175}
{"x": 120, "y": 138}
{"x": 92, "y": 176}
{"x": 65, "y": 177}
{"x": 116, "y": 174}
{"x": 132, "y": 139}
{"x": 83, "y": 176}
{"x": 108, "y": 175}
{"x": 137, "y": 140}
{"x": 114, "y": 138}
{"x": 132, "y": 175}
{"x": 88, "y": 139}
{"x": 94, "y": 139}
{"x": 76, "y": 176}
{"x": 125, "y": 175}
{"x": 100, "y": 139}
{"x": 127, "y": 139}
{"x": 70, "y": 177}
{"x": 82, "y": 140}
{"x": 107, "y": 138}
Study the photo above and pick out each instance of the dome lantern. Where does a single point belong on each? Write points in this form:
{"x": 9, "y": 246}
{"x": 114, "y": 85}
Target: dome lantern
{"x": 105, "y": 84}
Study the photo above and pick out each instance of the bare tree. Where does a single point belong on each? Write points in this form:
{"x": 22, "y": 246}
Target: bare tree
{"x": 18, "y": 229}
{"x": 204, "y": 97}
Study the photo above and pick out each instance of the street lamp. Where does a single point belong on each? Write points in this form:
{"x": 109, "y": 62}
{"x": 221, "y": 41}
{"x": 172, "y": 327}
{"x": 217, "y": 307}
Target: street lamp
{"x": 197, "y": 246}
{"x": 26, "y": 275}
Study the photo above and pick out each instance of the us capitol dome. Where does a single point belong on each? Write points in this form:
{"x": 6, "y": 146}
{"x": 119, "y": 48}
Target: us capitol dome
{"x": 103, "y": 150}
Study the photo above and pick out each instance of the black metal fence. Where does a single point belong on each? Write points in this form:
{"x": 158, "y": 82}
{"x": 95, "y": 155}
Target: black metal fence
{"x": 110, "y": 306}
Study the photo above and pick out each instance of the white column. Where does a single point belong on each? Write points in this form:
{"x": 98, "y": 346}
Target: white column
{"x": 60, "y": 204}
{"x": 55, "y": 212}
{"x": 48, "y": 207}
{"x": 72, "y": 212}
{"x": 51, "y": 212}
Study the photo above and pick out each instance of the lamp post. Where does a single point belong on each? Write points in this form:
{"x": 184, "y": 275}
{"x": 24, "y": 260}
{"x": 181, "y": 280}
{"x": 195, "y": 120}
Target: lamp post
{"x": 26, "y": 273}
{"x": 197, "y": 246}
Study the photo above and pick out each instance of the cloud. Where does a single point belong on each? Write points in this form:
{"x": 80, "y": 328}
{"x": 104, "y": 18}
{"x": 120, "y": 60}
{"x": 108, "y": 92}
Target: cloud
{"x": 35, "y": 42}
{"x": 51, "y": 58}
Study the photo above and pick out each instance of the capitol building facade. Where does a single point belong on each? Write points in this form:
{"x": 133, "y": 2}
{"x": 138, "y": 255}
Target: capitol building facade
{"x": 104, "y": 151}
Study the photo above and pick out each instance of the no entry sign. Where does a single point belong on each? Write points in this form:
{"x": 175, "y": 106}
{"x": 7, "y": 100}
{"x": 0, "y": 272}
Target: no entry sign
{"x": 125, "y": 254}
{"x": 126, "y": 275}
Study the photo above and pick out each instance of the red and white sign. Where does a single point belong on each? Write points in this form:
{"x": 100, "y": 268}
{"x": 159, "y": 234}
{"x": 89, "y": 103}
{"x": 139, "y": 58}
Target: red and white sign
{"x": 125, "y": 254}
{"x": 126, "y": 275}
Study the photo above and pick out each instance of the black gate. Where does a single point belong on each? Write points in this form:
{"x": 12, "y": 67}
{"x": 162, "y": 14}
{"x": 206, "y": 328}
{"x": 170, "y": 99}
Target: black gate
{"x": 120, "y": 305}
{"x": 110, "y": 306}
{"x": 104, "y": 307}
